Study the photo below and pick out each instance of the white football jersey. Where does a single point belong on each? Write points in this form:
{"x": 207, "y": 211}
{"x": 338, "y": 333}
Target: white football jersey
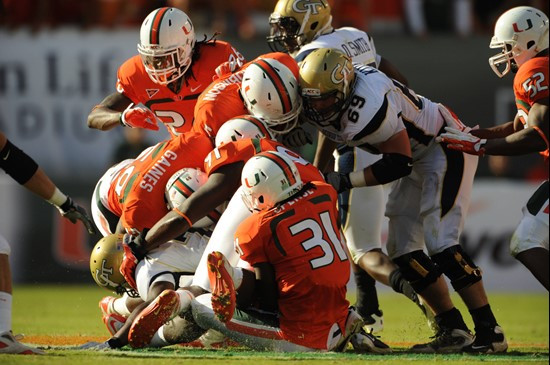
{"x": 358, "y": 45}
{"x": 380, "y": 107}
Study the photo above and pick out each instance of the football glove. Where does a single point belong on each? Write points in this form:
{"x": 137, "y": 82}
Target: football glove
{"x": 75, "y": 212}
{"x": 133, "y": 254}
{"x": 297, "y": 138}
{"x": 340, "y": 182}
{"x": 139, "y": 116}
{"x": 462, "y": 141}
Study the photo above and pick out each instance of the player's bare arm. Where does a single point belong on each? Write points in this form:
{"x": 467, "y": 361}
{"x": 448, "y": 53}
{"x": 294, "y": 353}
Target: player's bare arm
{"x": 219, "y": 188}
{"x": 531, "y": 139}
{"x": 106, "y": 115}
{"x": 499, "y": 131}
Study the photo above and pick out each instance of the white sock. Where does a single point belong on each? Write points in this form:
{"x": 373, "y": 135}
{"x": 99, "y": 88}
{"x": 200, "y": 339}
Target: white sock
{"x": 119, "y": 306}
{"x": 185, "y": 299}
{"x": 5, "y": 311}
{"x": 158, "y": 339}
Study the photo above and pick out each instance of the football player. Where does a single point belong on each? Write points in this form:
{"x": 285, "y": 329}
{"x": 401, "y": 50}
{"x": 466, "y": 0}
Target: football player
{"x": 292, "y": 241}
{"x": 162, "y": 268}
{"x": 130, "y": 198}
{"x": 521, "y": 34}
{"x": 266, "y": 87}
{"x": 300, "y": 27}
{"x": 23, "y": 169}
{"x": 361, "y": 107}
{"x": 223, "y": 165}
{"x": 163, "y": 82}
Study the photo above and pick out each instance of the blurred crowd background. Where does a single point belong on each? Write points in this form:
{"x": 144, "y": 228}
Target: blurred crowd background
{"x": 246, "y": 18}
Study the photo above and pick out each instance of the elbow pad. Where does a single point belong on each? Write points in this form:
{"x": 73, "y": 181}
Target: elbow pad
{"x": 391, "y": 167}
{"x": 20, "y": 166}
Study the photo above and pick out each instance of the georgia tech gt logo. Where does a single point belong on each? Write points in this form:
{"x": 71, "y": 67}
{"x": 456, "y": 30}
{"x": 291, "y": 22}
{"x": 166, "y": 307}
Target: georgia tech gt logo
{"x": 340, "y": 73}
{"x": 102, "y": 275}
{"x": 307, "y": 6}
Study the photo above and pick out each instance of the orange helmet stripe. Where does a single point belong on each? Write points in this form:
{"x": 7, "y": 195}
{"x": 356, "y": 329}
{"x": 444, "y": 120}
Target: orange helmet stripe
{"x": 155, "y": 25}
{"x": 183, "y": 188}
{"x": 280, "y": 86}
{"x": 287, "y": 170}
{"x": 258, "y": 123}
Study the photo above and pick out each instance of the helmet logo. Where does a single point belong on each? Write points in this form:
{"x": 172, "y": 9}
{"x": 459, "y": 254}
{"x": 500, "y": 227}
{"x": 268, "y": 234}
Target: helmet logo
{"x": 185, "y": 30}
{"x": 256, "y": 177}
{"x": 103, "y": 275}
{"x": 517, "y": 30}
{"x": 340, "y": 73}
{"x": 305, "y": 6}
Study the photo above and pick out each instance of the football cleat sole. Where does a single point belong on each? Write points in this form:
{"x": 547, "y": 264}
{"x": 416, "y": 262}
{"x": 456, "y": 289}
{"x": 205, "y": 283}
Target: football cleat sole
{"x": 223, "y": 290}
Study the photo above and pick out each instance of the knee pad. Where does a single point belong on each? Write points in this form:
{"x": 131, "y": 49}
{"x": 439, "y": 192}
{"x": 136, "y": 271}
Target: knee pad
{"x": 417, "y": 268}
{"x": 4, "y": 247}
{"x": 458, "y": 267}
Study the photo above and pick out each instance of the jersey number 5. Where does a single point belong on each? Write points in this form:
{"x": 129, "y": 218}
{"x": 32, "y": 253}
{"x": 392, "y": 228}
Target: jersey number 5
{"x": 533, "y": 84}
{"x": 318, "y": 241}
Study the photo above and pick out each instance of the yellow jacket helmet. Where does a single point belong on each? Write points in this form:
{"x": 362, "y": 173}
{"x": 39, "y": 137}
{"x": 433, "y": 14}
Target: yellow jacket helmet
{"x": 295, "y": 23}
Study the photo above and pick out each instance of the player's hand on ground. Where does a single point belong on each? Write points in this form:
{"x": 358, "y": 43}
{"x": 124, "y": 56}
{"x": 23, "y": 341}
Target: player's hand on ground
{"x": 139, "y": 116}
{"x": 93, "y": 345}
{"x": 75, "y": 212}
{"x": 460, "y": 141}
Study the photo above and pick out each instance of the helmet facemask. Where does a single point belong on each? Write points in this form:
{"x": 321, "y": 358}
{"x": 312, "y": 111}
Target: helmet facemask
{"x": 284, "y": 34}
{"x": 164, "y": 65}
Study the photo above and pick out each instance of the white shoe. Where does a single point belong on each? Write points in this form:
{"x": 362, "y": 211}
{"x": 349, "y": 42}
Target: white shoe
{"x": 374, "y": 323}
{"x": 9, "y": 345}
{"x": 446, "y": 341}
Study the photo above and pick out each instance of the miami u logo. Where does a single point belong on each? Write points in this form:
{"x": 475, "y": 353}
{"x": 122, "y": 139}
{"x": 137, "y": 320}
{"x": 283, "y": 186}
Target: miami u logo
{"x": 517, "y": 30}
{"x": 256, "y": 182}
{"x": 307, "y": 6}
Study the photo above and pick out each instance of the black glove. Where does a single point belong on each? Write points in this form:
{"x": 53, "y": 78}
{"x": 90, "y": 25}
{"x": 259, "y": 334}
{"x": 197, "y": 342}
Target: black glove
{"x": 340, "y": 182}
{"x": 74, "y": 212}
{"x": 297, "y": 138}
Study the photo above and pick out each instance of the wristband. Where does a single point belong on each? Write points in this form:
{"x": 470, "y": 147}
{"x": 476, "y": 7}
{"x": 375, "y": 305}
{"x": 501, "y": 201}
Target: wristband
{"x": 184, "y": 217}
{"x": 120, "y": 120}
{"x": 58, "y": 198}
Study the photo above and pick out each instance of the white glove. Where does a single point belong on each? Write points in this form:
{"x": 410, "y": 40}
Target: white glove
{"x": 460, "y": 141}
{"x": 452, "y": 120}
{"x": 98, "y": 346}
{"x": 139, "y": 116}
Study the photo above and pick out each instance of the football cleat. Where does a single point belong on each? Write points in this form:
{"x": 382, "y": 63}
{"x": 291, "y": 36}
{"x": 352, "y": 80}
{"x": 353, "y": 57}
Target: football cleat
{"x": 10, "y": 345}
{"x": 161, "y": 310}
{"x": 367, "y": 342}
{"x": 223, "y": 290}
{"x": 490, "y": 340}
{"x": 446, "y": 341}
{"x": 113, "y": 322}
{"x": 106, "y": 305}
{"x": 374, "y": 323}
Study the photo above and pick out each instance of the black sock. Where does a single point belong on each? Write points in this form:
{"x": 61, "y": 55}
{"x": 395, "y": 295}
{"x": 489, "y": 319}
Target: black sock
{"x": 450, "y": 320}
{"x": 367, "y": 298}
{"x": 483, "y": 317}
{"x": 400, "y": 285}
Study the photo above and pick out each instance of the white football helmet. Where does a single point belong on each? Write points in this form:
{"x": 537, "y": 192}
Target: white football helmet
{"x": 267, "y": 179}
{"x": 105, "y": 262}
{"x": 166, "y": 41}
{"x": 241, "y": 127}
{"x": 520, "y": 33}
{"x": 270, "y": 91}
{"x": 180, "y": 187}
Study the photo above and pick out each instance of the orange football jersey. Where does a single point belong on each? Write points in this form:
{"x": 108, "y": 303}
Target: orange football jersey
{"x": 137, "y": 193}
{"x": 175, "y": 110}
{"x": 221, "y": 101}
{"x": 531, "y": 85}
{"x": 244, "y": 149}
{"x": 301, "y": 240}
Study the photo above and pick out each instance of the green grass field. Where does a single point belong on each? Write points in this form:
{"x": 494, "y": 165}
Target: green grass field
{"x": 59, "y": 317}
